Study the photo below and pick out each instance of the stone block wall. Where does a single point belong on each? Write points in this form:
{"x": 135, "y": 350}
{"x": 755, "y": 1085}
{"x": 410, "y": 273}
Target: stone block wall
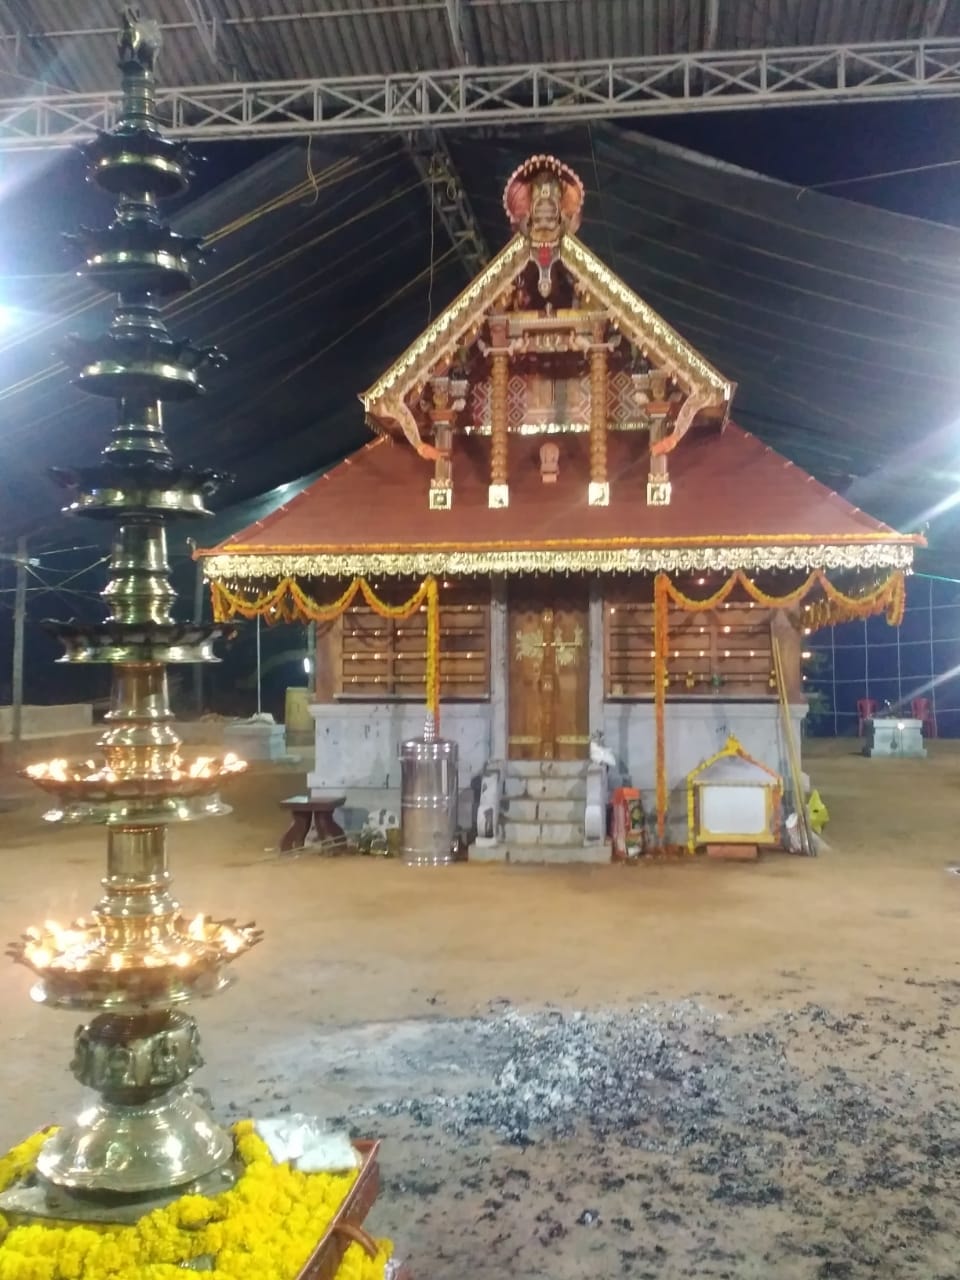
{"x": 357, "y": 744}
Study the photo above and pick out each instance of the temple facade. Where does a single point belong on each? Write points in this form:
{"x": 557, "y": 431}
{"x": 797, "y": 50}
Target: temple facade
{"x": 557, "y": 535}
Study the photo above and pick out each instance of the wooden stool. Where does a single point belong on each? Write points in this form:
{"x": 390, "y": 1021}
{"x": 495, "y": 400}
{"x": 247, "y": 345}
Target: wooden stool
{"x": 315, "y": 811}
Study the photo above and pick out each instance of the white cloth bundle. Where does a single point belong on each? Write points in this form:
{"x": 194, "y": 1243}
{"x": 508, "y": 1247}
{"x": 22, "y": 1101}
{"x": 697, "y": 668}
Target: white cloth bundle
{"x": 305, "y": 1143}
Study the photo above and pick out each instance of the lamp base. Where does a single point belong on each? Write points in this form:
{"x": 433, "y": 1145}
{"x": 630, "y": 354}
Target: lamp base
{"x": 37, "y": 1199}
{"x": 159, "y": 1146}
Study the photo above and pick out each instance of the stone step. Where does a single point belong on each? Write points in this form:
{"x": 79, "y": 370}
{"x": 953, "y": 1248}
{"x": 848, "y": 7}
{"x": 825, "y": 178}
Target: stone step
{"x": 527, "y": 833}
{"x": 561, "y": 810}
{"x": 520, "y": 808}
{"x": 542, "y": 853}
{"x": 547, "y": 768}
{"x": 545, "y": 788}
{"x": 524, "y": 809}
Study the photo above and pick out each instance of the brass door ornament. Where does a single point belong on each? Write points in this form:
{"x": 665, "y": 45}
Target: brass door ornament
{"x": 531, "y": 644}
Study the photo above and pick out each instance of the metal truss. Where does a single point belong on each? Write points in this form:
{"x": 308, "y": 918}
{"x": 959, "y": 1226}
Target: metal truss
{"x": 451, "y": 203}
{"x": 518, "y": 95}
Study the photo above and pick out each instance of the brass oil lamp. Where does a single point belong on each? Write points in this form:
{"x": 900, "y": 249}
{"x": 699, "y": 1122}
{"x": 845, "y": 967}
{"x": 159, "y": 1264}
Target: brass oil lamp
{"x": 136, "y": 961}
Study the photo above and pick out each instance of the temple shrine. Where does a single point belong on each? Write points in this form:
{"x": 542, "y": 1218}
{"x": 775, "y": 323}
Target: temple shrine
{"x": 557, "y": 534}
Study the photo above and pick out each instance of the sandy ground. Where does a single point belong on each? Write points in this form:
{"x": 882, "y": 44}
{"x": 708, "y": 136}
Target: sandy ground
{"x": 795, "y": 1116}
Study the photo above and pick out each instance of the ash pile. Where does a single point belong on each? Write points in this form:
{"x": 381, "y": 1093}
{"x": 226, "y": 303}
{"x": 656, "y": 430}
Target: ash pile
{"x": 678, "y": 1078}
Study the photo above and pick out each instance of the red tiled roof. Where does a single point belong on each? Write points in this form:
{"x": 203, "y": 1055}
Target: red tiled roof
{"x": 727, "y": 487}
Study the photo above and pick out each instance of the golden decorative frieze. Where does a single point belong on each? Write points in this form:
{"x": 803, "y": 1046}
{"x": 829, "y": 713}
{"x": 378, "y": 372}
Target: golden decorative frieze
{"x": 461, "y": 321}
{"x": 643, "y": 559}
{"x": 642, "y": 322}
{"x": 551, "y": 428}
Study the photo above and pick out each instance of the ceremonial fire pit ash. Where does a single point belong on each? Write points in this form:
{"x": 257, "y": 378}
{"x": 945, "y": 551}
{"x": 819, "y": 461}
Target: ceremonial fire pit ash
{"x": 138, "y": 956}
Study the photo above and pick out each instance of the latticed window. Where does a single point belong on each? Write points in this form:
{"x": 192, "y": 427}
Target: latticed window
{"x": 727, "y": 650}
{"x": 384, "y": 658}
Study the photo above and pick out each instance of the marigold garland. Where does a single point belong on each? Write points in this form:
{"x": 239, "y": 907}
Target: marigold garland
{"x": 661, "y": 638}
{"x": 263, "y": 1228}
{"x": 888, "y": 597}
{"x": 288, "y": 602}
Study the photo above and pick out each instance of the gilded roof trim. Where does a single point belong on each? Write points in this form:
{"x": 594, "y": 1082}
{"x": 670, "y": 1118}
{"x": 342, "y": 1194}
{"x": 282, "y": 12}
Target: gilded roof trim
{"x": 638, "y": 320}
{"x": 643, "y": 324}
{"x": 888, "y": 554}
{"x": 450, "y": 325}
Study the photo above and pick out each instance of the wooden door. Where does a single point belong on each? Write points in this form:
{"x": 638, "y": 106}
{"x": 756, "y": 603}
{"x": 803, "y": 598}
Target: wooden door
{"x": 548, "y": 672}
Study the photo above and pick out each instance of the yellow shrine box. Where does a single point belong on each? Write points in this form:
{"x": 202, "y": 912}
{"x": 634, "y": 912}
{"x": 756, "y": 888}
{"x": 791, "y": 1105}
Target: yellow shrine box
{"x": 733, "y": 799}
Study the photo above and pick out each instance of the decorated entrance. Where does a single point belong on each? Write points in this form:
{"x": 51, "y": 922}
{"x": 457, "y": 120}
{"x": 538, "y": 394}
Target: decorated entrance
{"x": 548, "y": 672}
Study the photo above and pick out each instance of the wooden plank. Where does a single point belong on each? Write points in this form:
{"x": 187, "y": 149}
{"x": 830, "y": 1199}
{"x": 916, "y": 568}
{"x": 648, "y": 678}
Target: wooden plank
{"x": 571, "y": 654}
{"x": 386, "y": 658}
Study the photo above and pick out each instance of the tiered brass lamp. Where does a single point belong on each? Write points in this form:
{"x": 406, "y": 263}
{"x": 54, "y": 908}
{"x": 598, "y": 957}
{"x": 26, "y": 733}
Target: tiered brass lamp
{"x": 138, "y": 959}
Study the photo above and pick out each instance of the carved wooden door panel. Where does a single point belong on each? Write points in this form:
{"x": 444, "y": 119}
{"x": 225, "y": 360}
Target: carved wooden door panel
{"x": 548, "y": 672}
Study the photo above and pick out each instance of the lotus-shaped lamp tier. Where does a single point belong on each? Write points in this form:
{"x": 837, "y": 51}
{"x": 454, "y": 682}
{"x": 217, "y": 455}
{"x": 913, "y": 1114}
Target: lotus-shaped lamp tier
{"x": 152, "y": 474}
{"x": 138, "y": 254}
{"x": 136, "y": 641}
{"x": 136, "y": 159}
{"x": 107, "y": 963}
{"x": 89, "y": 791}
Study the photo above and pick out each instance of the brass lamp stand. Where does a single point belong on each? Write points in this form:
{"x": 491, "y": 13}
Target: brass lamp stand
{"x": 136, "y": 961}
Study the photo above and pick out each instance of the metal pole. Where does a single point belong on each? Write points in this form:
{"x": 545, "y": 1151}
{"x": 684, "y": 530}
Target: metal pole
{"x": 199, "y": 594}
{"x": 19, "y": 624}
{"x": 259, "y": 691}
{"x": 312, "y": 655}
{"x": 833, "y": 679}
{"x": 899, "y": 670}
{"x": 933, "y": 673}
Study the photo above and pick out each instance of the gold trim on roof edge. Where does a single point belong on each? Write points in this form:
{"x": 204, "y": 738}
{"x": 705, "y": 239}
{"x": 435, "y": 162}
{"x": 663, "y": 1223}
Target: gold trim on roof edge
{"x": 450, "y": 324}
{"x": 877, "y": 555}
{"x": 621, "y": 299}
{"x": 468, "y": 307}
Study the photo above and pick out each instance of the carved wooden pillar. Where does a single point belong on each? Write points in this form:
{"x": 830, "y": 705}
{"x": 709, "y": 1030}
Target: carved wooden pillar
{"x": 448, "y": 398}
{"x": 499, "y": 383}
{"x": 499, "y": 492}
{"x": 658, "y": 479}
{"x": 598, "y": 493}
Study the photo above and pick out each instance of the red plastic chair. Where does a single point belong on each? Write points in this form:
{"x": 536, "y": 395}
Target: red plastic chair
{"x": 866, "y": 710}
{"x": 921, "y": 710}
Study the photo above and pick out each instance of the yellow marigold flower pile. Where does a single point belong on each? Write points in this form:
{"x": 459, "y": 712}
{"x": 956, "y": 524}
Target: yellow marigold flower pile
{"x": 264, "y": 1228}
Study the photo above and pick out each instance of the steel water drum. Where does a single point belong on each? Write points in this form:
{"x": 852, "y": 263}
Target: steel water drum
{"x": 428, "y": 800}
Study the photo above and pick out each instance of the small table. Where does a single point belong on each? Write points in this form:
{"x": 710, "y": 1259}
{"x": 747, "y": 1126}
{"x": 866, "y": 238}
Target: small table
{"x": 315, "y": 811}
